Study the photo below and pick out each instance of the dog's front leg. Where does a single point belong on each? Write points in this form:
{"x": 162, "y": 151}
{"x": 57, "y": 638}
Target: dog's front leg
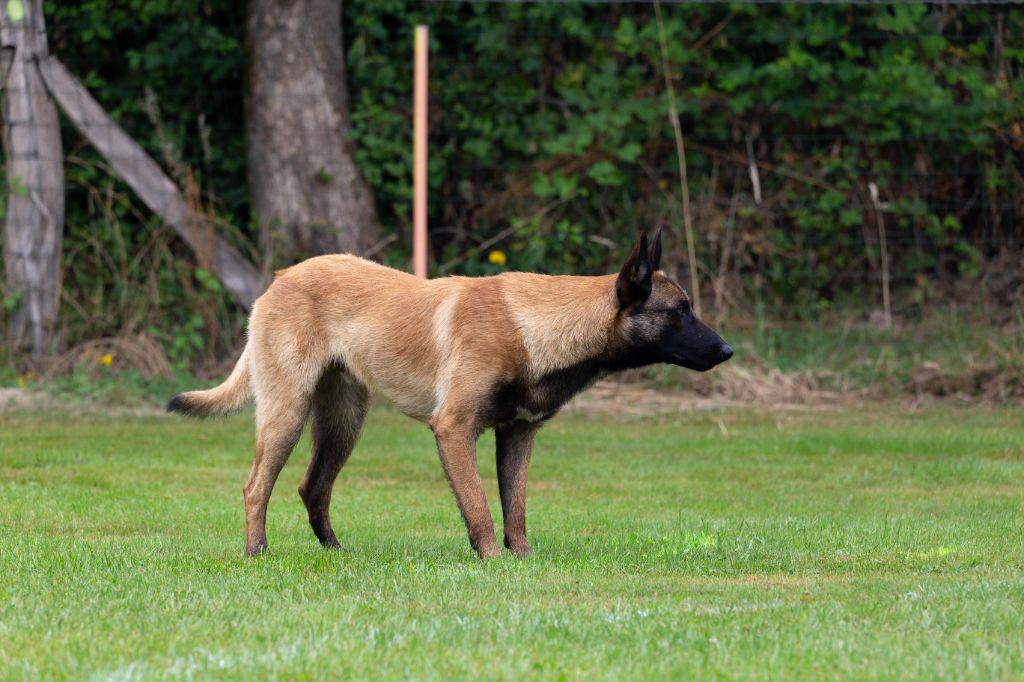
{"x": 456, "y": 444}
{"x": 514, "y": 447}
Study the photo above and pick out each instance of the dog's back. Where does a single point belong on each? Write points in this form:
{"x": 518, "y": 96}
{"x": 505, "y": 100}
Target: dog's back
{"x": 393, "y": 332}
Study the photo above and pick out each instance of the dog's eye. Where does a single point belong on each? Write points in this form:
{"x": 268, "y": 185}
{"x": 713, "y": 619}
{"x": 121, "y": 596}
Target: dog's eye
{"x": 684, "y": 308}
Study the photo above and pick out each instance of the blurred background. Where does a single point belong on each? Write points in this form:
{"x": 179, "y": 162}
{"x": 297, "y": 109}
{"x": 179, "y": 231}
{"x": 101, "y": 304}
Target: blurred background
{"x": 851, "y": 175}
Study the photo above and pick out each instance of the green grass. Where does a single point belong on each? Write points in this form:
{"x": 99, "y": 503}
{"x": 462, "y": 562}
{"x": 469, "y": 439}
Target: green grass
{"x": 858, "y": 354}
{"x": 859, "y": 544}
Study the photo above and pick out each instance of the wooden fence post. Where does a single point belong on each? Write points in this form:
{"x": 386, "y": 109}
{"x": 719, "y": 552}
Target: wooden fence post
{"x": 34, "y": 221}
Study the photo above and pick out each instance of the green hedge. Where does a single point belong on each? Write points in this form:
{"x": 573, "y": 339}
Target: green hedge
{"x": 553, "y": 118}
{"x": 556, "y": 115}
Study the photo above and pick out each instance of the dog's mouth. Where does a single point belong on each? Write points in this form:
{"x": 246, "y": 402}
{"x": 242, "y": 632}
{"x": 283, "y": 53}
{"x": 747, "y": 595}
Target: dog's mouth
{"x": 684, "y": 361}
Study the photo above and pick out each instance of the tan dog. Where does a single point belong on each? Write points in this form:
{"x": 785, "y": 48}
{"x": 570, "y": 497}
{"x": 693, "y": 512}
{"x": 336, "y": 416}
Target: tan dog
{"x": 460, "y": 354}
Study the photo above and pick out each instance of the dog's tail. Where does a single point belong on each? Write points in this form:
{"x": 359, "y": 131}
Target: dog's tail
{"x": 223, "y": 399}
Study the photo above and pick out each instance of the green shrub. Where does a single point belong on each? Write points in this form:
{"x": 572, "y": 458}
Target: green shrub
{"x": 552, "y": 119}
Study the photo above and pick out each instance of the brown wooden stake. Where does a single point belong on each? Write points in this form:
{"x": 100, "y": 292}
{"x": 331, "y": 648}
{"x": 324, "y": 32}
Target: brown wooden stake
{"x": 419, "y": 152}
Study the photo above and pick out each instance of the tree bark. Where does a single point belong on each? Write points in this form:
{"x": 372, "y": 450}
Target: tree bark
{"x": 34, "y": 221}
{"x": 307, "y": 193}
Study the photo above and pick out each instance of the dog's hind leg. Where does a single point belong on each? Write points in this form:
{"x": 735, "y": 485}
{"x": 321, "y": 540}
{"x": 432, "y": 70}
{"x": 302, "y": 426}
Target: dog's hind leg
{"x": 514, "y": 446}
{"x": 280, "y": 417}
{"x": 339, "y": 408}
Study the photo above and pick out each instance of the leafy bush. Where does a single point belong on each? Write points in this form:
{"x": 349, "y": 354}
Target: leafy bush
{"x": 555, "y": 116}
{"x": 551, "y": 143}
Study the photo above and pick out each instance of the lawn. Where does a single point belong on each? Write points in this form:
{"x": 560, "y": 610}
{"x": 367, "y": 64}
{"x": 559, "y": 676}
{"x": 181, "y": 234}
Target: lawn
{"x": 861, "y": 542}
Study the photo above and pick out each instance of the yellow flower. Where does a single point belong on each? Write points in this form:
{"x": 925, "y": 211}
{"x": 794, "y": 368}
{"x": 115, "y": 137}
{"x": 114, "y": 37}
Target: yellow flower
{"x": 107, "y": 359}
{"x": 497, "y": 258}
{"x": 21, "y": 383}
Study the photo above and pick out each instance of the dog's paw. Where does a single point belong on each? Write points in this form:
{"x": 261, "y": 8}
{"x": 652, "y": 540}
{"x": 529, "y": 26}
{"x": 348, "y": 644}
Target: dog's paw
{"x": 259, "y": 550}
{"x": 491, "y": 551}
{"x": 520, "y": 549}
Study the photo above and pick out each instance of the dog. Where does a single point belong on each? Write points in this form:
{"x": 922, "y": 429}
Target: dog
{"x": 461, "y": 354}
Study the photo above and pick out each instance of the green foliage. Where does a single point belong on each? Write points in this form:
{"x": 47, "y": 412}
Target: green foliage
{"x": 552, "y": 117}
{"x": 188, "y": 52}
{"x": 535, "y": 103}
{"x": 125, "y": 273}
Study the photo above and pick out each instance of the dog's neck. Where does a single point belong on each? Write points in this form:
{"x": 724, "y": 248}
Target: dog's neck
{"x": 565, "y": 321}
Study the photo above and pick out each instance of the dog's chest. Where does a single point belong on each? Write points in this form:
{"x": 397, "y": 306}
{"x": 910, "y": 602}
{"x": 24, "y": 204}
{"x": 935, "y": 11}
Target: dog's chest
{"x": 523, "y": 414}
{"x": 538, "y": 401}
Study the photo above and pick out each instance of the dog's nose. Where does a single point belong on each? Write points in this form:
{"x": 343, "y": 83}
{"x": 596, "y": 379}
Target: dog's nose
{"x": 726, "y": 352}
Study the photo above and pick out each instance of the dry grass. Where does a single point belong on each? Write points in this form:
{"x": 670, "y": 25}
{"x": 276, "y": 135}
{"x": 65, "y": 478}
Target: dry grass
{"x": 139, "y": 352}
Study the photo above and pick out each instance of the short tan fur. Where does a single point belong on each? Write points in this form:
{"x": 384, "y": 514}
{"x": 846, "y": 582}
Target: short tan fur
{"x": 459, "y": 354}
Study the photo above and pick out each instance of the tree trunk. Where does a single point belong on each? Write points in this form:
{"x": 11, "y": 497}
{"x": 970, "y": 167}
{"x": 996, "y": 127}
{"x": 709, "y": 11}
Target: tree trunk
{"x": 34, "y": 223}
{"x": 307, "y": 194}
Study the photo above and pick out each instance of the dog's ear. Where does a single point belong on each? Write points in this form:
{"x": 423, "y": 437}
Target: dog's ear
{"x": 656, "y": 251}
{"x": 634, "y": 282}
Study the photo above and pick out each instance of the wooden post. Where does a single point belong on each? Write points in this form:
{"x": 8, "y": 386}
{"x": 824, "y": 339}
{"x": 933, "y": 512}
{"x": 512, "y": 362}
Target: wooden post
{"x": 34, "y": 224}
{"x": 419, "y": 153}
{"x": 883, "y": 247}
